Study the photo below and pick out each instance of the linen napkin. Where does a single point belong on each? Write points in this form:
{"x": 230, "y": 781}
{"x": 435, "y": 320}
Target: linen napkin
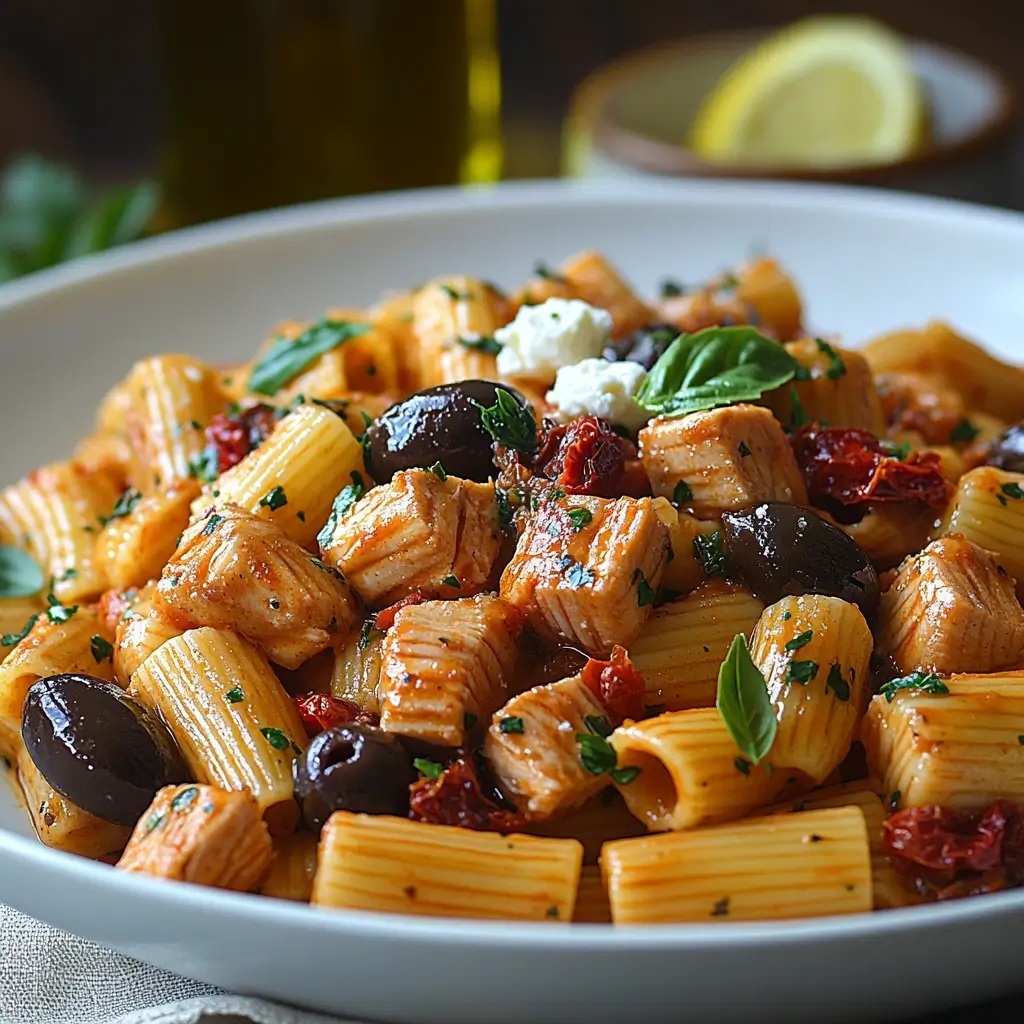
{"x": 50, "y": 977}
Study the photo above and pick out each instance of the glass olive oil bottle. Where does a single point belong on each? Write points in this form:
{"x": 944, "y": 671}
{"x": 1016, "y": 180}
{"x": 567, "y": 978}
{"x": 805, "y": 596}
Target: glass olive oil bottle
{"x": 271, "y": 102}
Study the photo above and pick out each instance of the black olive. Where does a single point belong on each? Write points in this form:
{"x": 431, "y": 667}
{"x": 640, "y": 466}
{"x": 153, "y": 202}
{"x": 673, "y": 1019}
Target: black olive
{"x": 644, "y": 346}
{"x": 1007, "y": 450}
{"x": 440, "y": 424}
{"x": 782, "y": 550}
{"x": 353, "y": 768}
{"x": 99, "y": 747}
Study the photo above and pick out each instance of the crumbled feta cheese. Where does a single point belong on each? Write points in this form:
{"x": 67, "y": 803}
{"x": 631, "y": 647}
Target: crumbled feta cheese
{"x": 551, "y": 335}
{"x": 596, "y": 387}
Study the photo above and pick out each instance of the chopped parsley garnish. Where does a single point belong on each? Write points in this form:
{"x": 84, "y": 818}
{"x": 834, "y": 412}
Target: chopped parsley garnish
{"x": 286, "y": 358}
{"x": 154, "y": 821}
{"x": 10, "y": 639}
{"x": 682, "y": 493}
{"x": 895, "y": 449}
{"x": 837, "y": 684}
{"x": 801, "y": 372}
{"x": 205, "y": 467}
{"x": 438, "y": 470}
{"x": 67, "y": 574}
{"x": 670, "y": 288}
{"x": 454, "y": 295}
{"x": 56, "y": 612}
{"x": 801, "y": 672}
{"x": 708, "y": 549}
{"x": 742, "y": 766}
{"x": 211, "y": 524}
{"x": 576, "y": 574}
{"x": 786, "y": 616}
{"x": 20, "y": 575}
{"x": 509, "y": 422}
{"x": 545, "y": 273}
{"x": 505, "y": 511}
{"x": 964, "y": 432}
{"x": 274, "y": 500}
{"x": 185, "y": 799}
{"x": 343, "y": 503}
{"x": 598, "y": 725}
{"x": 451, "y": 581}
{"x": 721, "y": 908}
{"x": 744, "y": 450}
{"x": 482, "y": 343}
{"x": 431, "y": 769}
{"x": 124, "y": 507}
{"x": 926, "y": 682}
{"x": 235, "y": 695}
{"x": 1013, "y": 490}
{"x": 797, "y": 415}
{"x": 511, "y": 724}
{"x": 645, "y": 593}
{"x": 101, "y": 649}
{"x": 580, "y": 517}
{"x": 800, "y": 641}
{"x": 276, "y": 738}
{"x": 728, "y": 281}
{"x": 552, "y": 912}
{"x": 836, "y": 366}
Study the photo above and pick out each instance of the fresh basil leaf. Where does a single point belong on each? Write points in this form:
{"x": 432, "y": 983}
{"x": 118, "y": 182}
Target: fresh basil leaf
{"x": 744, "y": 704}
{"x": 20, "y": 576}
{"x": 714, "y": 367}
{"x": 287, "y": 358}
{"x": 509, "y": 422}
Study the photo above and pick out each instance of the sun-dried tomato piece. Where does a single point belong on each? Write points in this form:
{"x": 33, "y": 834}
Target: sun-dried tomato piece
{"x": 584, "y": 457}
{"x": 457, "y": 798}
{"x": 236, "y": 435}
{"x": 849, "y": 466}
{"x": 386, "y": 616}
{"x": 617, "y": 685}
{"x": 320, "y": 712}
{"x": 949, "y": 854}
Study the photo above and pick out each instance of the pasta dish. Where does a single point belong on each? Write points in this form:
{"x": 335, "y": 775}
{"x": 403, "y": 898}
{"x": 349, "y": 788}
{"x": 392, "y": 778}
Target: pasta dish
{"x": 559, "y": 605}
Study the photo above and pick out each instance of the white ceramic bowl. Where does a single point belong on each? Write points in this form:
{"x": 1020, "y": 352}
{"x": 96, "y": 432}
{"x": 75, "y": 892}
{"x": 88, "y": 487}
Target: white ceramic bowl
{"x": 867, "y": 261}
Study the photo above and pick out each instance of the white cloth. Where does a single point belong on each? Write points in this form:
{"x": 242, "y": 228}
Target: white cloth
{"x": 51, "y": 977}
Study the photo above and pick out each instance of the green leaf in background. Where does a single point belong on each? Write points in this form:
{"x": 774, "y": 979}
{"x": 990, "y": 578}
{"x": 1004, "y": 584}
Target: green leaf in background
{"x": 20, "y": 576}
{"x": 47, "y": 216}
{"x": 714, "y": 367}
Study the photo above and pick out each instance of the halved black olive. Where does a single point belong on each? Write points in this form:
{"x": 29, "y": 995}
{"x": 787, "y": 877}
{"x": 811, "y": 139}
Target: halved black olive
{"x": 353, "y": 768}
{"x": 644, "y": 346}
{"x": 99, "y": 747}
{"x": 1007, "y": 450}
{"x": 782, "y": 549}
{"x": 440, "y": 424}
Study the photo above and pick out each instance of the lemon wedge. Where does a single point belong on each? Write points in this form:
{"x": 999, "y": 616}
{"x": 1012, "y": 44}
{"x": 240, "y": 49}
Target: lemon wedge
{"x": 825, "y": 92}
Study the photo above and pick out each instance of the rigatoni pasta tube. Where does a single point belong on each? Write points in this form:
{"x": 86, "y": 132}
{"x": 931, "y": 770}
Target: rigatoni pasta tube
{"x": 377, "y": 862}
{"x": 294, "y": 476}
{"x": 54, "y": 514}
{"x": 62, "y": 825}
{"x": 683, "y": 643}
{"x": 293, "y": 868}
{"x": 234, "y": 722}
{"x": 61, "y": 640}
{"x": 812, "y": 864}
{"x": 813, "y": 652}
{"x": 961, "y": 750}
{"x": 691, "y": 771}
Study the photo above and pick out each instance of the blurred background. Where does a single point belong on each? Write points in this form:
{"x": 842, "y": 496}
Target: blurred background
{"x": 238, "y": 105}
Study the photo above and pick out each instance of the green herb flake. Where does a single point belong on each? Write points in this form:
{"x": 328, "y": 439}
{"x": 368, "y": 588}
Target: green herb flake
{"x": 430, "y": 769}
{"x": 1013, "y": 490}
{"x": 925, "y": 682}
{"x": 645, "y": 593}
{"x": 235, "y": 695}
{"x": 468, "y": 720}
{"x": 744, "y": 450}
{"x": 721, "y": 908}
{"x": 577, "y": 575}
{"x": 682, "y": 493}
{"x": 801, "y": 672}
{"x": 101, "y": 649}
{"x": 274, "y": 500}
{"x": 786, "y": 616}
{"x": 482, "y": 343}
{"x": 56, "y": 612}
{"x": 800, "y": 641}
{"x": 10, "y": 639}
{"x": 511, "y": 725}
{"x": 669, "y": 288}
{"x": 743, "y": 702}
{"x": 580, "y": 517}
{"x": 301, "y": 516}
{"x": 624, "y": 776}
{"x": 455, "y": 296}
{"x": 20, "y": 575}
{"x": 286, "y": 358}
{"x": 154, "y": 821}
{"x": 125, "y": 506}
{"x": 343, "y": 503}
{"x": 797, "y": 415}
{"x": 366, "y": 633}
{"x": 597, "y": 755}
{"x": 708, "y": 549}
{"x": 205, "y": 467}
{"x": 895, "y": 449}
{"x": 714, "y": 367}
{"x": 964, "y": 432}
{"x": 185, "y": 799}
{"x": 276, "y": 738}
{"x": 545, "y": 273}
{"x": 836, "y": 366}
{"x": 509, "y": 422}
{"x": 451, "y": 581}
{"x": 1020, "y": 740}
{"x": 837, "y": 684}
{"x": 211, "y": 524}
{"x": 439, "y": 471}
{"x": 802, "y": 373}
{"x": 742, "y": 765}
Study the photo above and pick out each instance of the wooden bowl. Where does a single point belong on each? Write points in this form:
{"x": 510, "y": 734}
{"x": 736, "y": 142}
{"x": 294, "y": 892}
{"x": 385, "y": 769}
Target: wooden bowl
{"x": 632, "y": 117}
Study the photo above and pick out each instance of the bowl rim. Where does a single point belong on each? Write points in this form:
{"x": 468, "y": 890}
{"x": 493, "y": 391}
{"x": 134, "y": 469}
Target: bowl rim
{"x": 332, "y": 215}
{"x": 589, "y": 104}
